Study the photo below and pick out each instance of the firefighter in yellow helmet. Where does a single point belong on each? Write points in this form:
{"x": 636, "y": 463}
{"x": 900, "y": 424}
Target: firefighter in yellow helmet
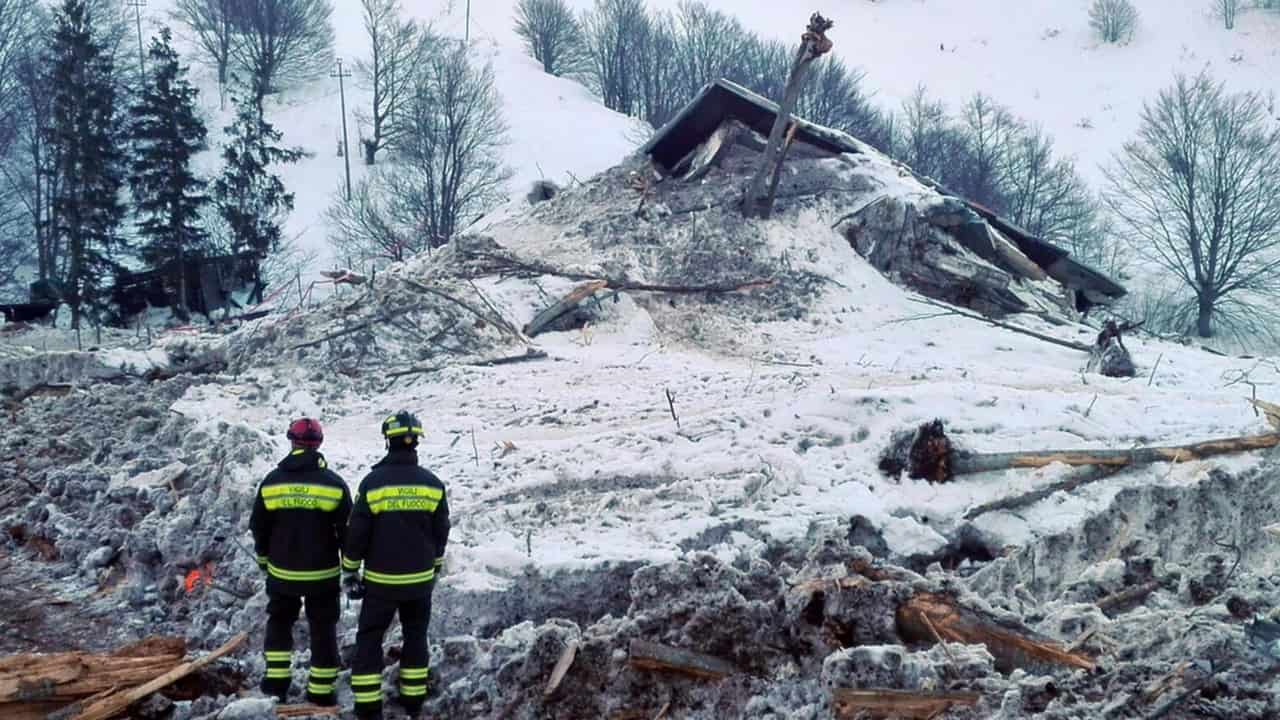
{"x": 398, "y": 531}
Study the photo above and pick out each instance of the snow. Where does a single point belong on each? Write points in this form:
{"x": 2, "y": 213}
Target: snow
{"x": 576, "y": 460}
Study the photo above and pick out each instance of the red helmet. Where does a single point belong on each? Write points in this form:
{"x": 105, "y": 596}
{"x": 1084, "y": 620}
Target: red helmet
{"x": 305, "y": 432}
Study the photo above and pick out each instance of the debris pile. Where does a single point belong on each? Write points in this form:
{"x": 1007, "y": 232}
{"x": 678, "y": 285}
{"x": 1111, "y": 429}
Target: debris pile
{"x": 836, "y": 634}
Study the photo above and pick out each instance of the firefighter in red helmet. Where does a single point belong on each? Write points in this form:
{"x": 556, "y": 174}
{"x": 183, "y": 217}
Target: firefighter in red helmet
{"x": 298, "y": 522}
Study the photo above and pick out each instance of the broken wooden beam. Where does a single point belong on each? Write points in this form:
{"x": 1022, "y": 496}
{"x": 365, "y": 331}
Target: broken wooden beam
{"x": 926, "y": 617}
{"x": 929, "y": 454}
{"x": 562, "y": 307}
{"x": 112, "y": 704}
{"x": 68, "y": 677}
{"x": 878, "y": 703}
{"x": 1119, "y": 600}
{"x": 664, "y": 658}
{"x": 308, "y": 710}
{"x": 561, "y": 669}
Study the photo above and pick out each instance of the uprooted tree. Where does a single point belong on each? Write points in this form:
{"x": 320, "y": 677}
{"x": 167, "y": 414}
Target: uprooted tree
{"x": 813, "y": 45}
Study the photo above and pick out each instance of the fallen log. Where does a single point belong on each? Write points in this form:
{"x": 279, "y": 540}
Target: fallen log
{"x": 117, "y": 702}
{"x": 1087, "y": 477}
{"x": 1012, "y": 328}
{"x": 1118, "y": 600}
{"x": 561, "y": 669}
{"x": 663, "y": 658}
{"x": 67, "y": 677}
{"x": 562, "y": 307}
{"x": 928, "y": 616}
{"x": 876, "y": 704}
{"x": 930, "y": 455}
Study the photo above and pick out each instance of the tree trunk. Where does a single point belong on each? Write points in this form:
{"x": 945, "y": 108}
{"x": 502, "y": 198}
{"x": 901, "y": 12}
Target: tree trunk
{"x": 370, "y": 151}
{"x": 757, "y": 201}
{"x": 1204, "y": 321}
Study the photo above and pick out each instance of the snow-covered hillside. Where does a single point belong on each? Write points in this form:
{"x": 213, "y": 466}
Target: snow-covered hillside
{"x": 557, "y": 130}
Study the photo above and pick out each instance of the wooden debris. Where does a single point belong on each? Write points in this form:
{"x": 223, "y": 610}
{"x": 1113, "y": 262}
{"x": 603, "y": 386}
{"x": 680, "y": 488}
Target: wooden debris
{"x": 562, "y": 306}
{"x": 813, "y": 45}
{"x": 1128, "y": 596}
{"x": 68, "y": 677}
{"x": 116, "y": 702}
{"x": 1012, "y": 328}
{"x": 306, "y": 710}
{"x": 561, "y": 669}
{"x": 932, "y": 456}
{"x": 663, "y": 658}
{"x": 875, "y": 704}
{"x": 348, "y": 277}
{"x": 927, "y": 616}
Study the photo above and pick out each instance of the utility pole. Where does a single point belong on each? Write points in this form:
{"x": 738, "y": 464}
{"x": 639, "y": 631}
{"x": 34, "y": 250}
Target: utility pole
{"x": 342, "y": 95}
{"x": 468, "y": 32}
{"x": 137, "y": 6}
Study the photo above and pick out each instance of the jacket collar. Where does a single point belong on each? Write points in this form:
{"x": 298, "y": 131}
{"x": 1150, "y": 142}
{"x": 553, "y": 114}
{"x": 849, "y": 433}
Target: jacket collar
{"x": 303, "y": 459}
{"x": 400, "y": 457}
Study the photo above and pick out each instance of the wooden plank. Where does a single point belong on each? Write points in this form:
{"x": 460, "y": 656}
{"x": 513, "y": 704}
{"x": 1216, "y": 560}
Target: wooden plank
{"x": 562, "y": 306}
{"x": 308, "y": 710}
{"x": 664, "y": 658}
{"x": 877, "y": 703}
{"x": 561, "y": 669}
{"x": 927, "y": 616}
{"x": 116, "y": 703}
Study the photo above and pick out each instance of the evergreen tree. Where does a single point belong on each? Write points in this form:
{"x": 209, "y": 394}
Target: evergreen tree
{"x": 249, "y": 197}
{"x": 167, "y": 133}
{"x": 83, "y": 137}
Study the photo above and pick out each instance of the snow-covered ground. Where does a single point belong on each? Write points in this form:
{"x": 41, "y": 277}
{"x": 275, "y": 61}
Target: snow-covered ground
{"x": 575, "y": 460}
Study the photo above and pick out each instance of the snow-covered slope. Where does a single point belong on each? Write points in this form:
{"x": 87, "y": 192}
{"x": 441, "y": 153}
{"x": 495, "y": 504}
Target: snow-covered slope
{"x": 1038, "y": 57}
{"x": 557, "y": 130}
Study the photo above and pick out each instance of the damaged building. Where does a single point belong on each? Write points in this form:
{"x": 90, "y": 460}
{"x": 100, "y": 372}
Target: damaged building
{"x": 953, "y": 249}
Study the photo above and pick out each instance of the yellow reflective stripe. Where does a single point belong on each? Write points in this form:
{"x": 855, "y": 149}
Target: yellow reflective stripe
{"x": 324, "y": 673}
{"x": 406, "y": 579}
{"x": 349, "y": 564}
{"x": 324, "y": 491}
{"x": 410, "y": 691}
{"x": 317, "y": 689}
{"x": 404, "y": 497}
{"x": 366, "y": 679}
{"x": 301, "y": 496}
{"x": 302, "y": 575}
{"x": 439, "y": 562}
{"x": 276, "y": 655}
{"x": 369, "y": 697}
{"x": 299, "y": 451}
{"x": 413, "y": 673}
{"x": 274, "y": 673}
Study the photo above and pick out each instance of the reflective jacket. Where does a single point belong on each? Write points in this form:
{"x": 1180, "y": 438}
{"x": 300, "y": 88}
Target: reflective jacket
{"x": 399, "y": 527}
{"x": 298, "y": 521}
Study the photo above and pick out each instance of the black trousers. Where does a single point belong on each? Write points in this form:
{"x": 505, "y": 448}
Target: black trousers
{"x": 322, "y": 618}
{"x": 376, "y": 614}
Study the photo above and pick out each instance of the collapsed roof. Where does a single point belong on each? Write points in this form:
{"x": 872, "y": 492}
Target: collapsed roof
{"x": 692, "y": 143}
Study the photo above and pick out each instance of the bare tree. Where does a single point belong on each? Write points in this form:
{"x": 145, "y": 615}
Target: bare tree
{"x": 1199, "y": 189}
{"x": 930, "y": 141}
{"x": 211, "y": 25}
{"x": 16, "y": 24}
{"x": 551, "y": 34}
{"x": 448, "y": 171}
{"x": 283, "y": 41}
{"x": 1113, "y": 20}
{"x": 397, "y": 45}
{"x": 613, "y": 32}
{"x": 1226, "y": 11}
{"x": 991, "y": 133}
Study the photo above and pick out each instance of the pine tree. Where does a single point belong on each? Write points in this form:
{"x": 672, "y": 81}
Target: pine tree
{"x": 250, "y": 198}
{"x": 84, "y": 138}
{"x": 167, "y": 133}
